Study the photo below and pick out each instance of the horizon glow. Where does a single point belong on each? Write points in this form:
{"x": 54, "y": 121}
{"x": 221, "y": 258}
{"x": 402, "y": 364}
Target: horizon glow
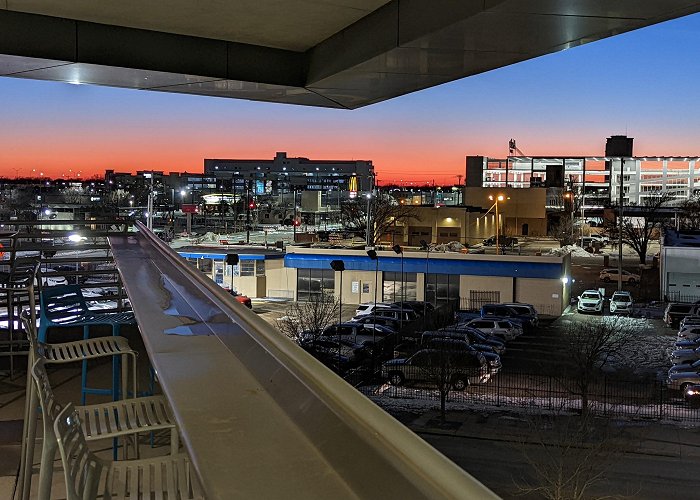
{"x": 640, "y": 84}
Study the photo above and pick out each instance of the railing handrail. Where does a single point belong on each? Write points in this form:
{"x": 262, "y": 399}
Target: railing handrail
{"x": 336, "y": 419}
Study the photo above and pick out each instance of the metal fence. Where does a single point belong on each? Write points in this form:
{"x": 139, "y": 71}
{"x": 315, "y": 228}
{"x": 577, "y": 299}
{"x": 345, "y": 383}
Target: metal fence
{"x": 686, "y": 298}
{"x": 530, "y": 393}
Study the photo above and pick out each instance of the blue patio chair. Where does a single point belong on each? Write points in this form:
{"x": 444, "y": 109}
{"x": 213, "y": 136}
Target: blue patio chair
{"x": 65, "y": 307}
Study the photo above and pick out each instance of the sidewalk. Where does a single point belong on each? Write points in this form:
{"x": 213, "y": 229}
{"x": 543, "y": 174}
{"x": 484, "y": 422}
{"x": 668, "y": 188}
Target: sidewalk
{"x": 645, "y": 438}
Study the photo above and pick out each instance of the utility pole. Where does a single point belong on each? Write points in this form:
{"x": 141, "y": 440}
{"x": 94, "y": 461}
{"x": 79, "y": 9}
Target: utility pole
{"x": 619, "y": 230}
{"x": 247, "y": 211}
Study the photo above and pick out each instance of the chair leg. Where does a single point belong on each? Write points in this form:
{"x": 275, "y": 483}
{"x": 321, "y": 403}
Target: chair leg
{"x": 25, "y": 477}
{"x": 83, "y": 375}
{"x": 28, "y": 398}
{"x": 48, "y": 455}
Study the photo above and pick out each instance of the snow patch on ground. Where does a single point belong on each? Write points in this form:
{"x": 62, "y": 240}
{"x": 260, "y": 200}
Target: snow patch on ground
{"x": 574, "y": 250}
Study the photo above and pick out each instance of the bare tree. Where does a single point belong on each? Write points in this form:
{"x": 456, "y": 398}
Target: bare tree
{"x": 589, "y": 347}
{"x": 309, "y": 318}
{"x": 448, "y": 368}
{"x": 690, "y": 214}
{"x": 639, "y": 228}
{"x": 563, "y": 231}
{"x": 72, "y": 194}
{"x": 568, "y": 456}
{"x": 386, "y": 212}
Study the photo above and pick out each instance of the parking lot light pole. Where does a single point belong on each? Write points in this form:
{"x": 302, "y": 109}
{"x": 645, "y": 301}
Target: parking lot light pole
{"x": 373, "y": 256}
{"x": 496, "y": 199}
{"x": 399, "y": 250}
{"x": 424, "y": 245}
{"x": 339, "y": 265}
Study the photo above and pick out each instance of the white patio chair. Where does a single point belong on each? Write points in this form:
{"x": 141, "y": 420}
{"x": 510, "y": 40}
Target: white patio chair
{"x": 100, "y": 421}
{"x": 87, "y": 476}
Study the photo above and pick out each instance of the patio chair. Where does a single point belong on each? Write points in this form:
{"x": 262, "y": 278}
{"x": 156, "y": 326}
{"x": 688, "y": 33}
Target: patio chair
{"x": 65, "y": 307}
{"x": 115, "y": 419}
{"x": 87, "y": 476}
{"x": 17, "y": 287}
{"x": 67, "y": 352}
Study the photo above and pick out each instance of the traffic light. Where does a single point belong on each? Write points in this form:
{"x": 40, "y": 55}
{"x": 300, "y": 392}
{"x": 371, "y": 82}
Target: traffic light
{"x": 251, "y": 204}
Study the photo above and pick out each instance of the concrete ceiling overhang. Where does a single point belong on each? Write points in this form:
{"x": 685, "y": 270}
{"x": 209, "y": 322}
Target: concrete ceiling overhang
{"x": 331, "y": 53}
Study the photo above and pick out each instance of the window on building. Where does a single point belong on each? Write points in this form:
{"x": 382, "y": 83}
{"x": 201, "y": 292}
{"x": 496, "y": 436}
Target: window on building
{"x": 252, "y": 267}
{"x": 396, "y": 289}
{"x": 311, "y": 283}
{"x": 441, "y": 288}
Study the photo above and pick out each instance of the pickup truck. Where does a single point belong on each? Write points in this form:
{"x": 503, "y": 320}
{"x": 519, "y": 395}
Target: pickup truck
{"x": 524, "y": 314}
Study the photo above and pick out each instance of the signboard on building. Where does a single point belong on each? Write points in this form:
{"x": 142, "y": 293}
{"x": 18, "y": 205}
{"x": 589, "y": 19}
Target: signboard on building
{"x": 189, "y": 208}
{"x": 355, "y": 286}
{"x": 352, "y": 186}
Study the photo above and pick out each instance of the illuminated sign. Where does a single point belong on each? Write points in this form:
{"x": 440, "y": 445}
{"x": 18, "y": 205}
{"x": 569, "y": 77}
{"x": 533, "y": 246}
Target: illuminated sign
{"x": 352, "y": 186}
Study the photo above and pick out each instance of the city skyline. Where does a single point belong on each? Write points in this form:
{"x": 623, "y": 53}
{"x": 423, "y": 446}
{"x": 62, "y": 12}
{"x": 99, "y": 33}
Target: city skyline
{"x": 639, "y": 84}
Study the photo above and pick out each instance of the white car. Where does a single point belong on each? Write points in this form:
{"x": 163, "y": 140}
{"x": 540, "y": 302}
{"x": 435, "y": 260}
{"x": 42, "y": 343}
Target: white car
{"x": 368, "y": 307}
{"x": 590, "y": 301}
{"x": 621, "y": 303}
{"x": 498, "y": 328}
{"x": 608, "y": 275}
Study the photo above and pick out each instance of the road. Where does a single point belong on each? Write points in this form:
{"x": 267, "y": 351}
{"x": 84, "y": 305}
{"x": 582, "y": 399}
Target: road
{"x": 500, "y": 466}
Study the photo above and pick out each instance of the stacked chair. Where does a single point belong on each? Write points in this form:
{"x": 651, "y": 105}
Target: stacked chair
{"x": 65, "y": 307}
{"x": 70, "y": 429}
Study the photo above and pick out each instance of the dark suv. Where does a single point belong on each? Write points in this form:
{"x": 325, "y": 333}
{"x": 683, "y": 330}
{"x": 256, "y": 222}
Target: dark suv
{"x": 522, "y": 315}
{"x": 503, "y": 241}
{"x": 430, "y": 365}
{"x": 675, "y": 312}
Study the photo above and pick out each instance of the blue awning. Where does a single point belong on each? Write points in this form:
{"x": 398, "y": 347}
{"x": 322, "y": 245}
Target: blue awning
{"x": 221, "y": 256}
{"x": 431, "y": 265}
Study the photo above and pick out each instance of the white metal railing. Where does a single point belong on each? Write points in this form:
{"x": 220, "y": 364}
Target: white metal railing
{"x": 260, "y": 417}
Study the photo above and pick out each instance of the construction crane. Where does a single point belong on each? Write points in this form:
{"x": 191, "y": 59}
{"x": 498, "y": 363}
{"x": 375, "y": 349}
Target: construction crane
{"x": 513, "y": 148}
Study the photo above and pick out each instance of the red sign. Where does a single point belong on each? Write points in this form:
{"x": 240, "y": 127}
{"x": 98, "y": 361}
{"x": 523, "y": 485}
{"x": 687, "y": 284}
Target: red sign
{"x": 189, "y": 208}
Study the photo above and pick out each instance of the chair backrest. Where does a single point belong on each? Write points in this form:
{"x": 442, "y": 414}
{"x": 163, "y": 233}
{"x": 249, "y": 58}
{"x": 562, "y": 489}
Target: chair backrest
{"x": 62, "y": 304}
{"x": 36, "y": 348}
{"x": 81, "y": 468}
{"x": 49, "y": 406}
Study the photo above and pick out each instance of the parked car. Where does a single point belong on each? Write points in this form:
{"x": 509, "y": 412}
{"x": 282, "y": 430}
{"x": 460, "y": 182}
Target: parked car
{"x": 525, "y": 310}
{"x": 493, "y": 361}
{"x": 691, "y": 332}
{"x": 243, "y": 299}
{"x": 426, "y": 365}
{"x": 681, "y": 381}
{"x": 608, "y": 275}
{"x": 515, "y": 312}
{"x": 418, "y": 306}
{"x": 689, "y": 320}
{"x": 405, "y": 315}
{"x": 354, "y": 329}
{"x": 621, "y": 303}
{"x": 369, "y": 319}
{"x": 680, "y": 356}
{"x": 475, "y": 337}
{"x": 675, "y": 312}
{"x": 503, "y": 241}
{"x": 499, "y": 328}
{"x": 690, "y": 366}
{"x": 428, "y": 336}
{"x": 692, "y": 395}
{"x": 335, "y": 352}
{"x": 687, "y": 343}
{"x": 590, "y": 301}
{"x": 368, "y": 307}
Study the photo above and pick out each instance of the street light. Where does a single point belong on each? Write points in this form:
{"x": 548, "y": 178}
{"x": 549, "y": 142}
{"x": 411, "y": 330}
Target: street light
{"x": 373, "y": 256}
{"x": 569, "y": 196}
{"x": 339, "y": 265}
{"x": 424, "y": 246}
{"x": 498, "y": 198}
{"x": 397, "y": 249}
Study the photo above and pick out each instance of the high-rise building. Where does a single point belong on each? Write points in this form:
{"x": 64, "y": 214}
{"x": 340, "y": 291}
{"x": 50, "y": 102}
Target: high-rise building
{"x": 283, "y": 174}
